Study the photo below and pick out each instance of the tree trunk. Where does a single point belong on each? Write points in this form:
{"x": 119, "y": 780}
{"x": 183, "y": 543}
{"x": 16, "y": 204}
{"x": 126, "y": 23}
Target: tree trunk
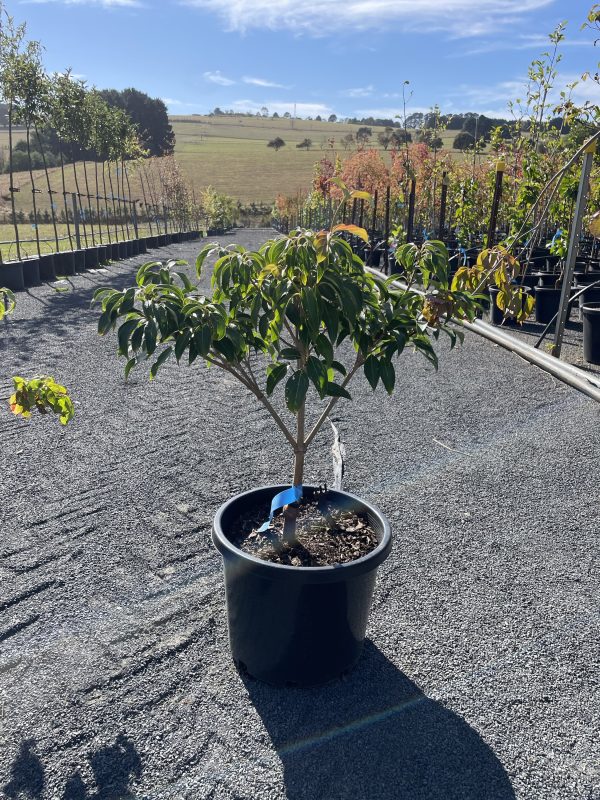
{"x": 12, "y": 185}
{"x": 126, "y": 205}
{"x": 148, "y": 217}
{"x": 112, "y": 192}
{"x": 78, "y": 190}
{"x": 106, "y": 201}
{"x": 33, "y": 192}
{"x": 50, "y": 192}
{"x": 87, "y": 189}
{"x": 98, "y": 214}
{"x": 64, "y": 188}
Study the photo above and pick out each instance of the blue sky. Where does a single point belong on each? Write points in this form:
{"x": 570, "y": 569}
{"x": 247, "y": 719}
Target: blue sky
{"x": 348, "y": 57}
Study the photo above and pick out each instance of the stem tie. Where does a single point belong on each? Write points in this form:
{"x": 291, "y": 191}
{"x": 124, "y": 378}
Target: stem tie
{"x": 291, "y": 495}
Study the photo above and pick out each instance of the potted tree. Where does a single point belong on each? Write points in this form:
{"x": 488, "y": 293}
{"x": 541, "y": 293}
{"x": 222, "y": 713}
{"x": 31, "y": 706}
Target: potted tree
{"x": 301, "y": 313}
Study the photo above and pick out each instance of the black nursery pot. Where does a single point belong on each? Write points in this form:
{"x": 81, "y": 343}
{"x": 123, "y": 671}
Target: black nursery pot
{"x": 591, "y": 332}
{"x": 547, "y": 302}
{"x": 47, "y": 271}
{"x": 64, "y": 263}
{"x": 79, "y": 256}
{"x": 496, "y": 314}
{"x": 92, "y": 257}
{"x": 11, "y": 276}
{"x": 296, "y": 626}
{"x": 122, "y": 250}
{"x": 31, "y": 271}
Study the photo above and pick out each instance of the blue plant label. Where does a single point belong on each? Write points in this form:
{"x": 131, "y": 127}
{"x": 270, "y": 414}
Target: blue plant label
{"x": 291, "y": 495}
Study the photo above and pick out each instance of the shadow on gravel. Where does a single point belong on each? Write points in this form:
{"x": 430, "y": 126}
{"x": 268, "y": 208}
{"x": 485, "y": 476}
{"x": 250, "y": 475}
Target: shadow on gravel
{"x": 376, "y": 735}
{"x": 112, "y": 767}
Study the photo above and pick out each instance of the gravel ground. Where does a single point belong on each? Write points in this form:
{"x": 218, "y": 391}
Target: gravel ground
{"x": 572, "y": 345}
{"x": 480, "y": 677}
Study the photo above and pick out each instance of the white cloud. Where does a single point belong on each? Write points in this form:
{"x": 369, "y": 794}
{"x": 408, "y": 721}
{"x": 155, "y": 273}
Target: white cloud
{"x": 389, "y": 112}
{"x": 216, "y": 77}
{"x": 522, "y": 42}
{"x": 101, "y": 3}
{"x": 316, "y": 17}
{"x": 301, "y": 109}
{"x": 263, "y": 82}
{"x": 360, "y": 91}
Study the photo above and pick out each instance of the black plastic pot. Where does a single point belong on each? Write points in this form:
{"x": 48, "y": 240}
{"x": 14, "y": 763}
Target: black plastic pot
{"x": 31, "y": 271}
{"x": 122, "y": 250}
{"x": 47, "y": 271}
{"x": 64, "y": 263}
{"x": 496, "y": 314}
{"x": 79, "y": 256}
{"x": 142, "y": 247}
{"x": 296, "y": 626}
{"x": 11, "y": 276}
{"x": 151, "y": 242}
{"x": 591, "y": 332}
{"x": 545, "y": 278}
{"x": 135, "y": 247}
{"x": 589, "y": 297}
{"x": 103, "y": 256}
{"x": 92, "y": 258}
{"x": 547, "y": 301}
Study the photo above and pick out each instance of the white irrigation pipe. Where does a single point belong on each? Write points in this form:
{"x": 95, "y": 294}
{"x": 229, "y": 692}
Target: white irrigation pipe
{"x": 578, "y": 378}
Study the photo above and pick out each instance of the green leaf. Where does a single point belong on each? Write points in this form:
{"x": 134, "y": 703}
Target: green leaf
{"x": 124, "y": 333}
{"x": 150, "y": 334}
{"x": 275, "y": 374}
{"x": 182, "y": 342}
{"x": 317, "y": 372}
{"x": 371, "y": 369}
{"x": 388, "y": 375}
{"x": 129, "y": 366}
{"x": 324, "y": 348}
{"x": 295, "y": 391}
{"x": 290, "y": 353}
{"x": 160, "y": 361}
{"x": 335, "y": 390}
{"x": 311, "y": 308}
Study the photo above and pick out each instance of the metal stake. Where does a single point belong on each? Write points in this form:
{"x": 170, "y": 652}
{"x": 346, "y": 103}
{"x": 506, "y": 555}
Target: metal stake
{"x": 491, "y": 233}
{"x": 75, "y": 200}
{"x": 580, "y": 207}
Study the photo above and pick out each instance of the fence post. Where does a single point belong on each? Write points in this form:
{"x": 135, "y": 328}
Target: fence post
{"x": 135, "y": 219}
{"x": 411, "y": 211}
{"x": 373, "y": 224}
{"x": 165, "y": 219}
{"x": 443, "y": 202}
{"x": 76, "y": 219}
{"x": 491, "y": 234}
{"x": 386, "y": 246}
{"x": 584, "y": 185}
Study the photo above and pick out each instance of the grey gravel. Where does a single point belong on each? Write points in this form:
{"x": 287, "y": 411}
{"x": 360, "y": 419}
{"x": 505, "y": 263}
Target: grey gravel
{"x": 480, "y": 677}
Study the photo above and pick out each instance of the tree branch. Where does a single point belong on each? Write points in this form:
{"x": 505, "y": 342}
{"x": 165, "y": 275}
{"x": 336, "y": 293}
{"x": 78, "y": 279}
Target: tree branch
{"x": 357, "y": 364}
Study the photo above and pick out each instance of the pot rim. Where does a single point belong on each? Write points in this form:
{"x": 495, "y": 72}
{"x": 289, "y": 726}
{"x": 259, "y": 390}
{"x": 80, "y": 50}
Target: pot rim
{"x": 316, "y": 574}
{"x": 592, "y": 308}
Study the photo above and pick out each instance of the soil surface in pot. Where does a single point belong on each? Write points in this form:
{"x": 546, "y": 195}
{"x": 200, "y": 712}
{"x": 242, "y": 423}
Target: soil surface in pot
{"x": 325, "y": 534}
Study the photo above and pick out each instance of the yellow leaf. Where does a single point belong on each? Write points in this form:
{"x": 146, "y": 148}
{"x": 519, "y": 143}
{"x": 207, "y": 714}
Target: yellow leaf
{"x": 360, "y": 195}
{"x": 594, "y": 226}
{"x": 354, "y": 230}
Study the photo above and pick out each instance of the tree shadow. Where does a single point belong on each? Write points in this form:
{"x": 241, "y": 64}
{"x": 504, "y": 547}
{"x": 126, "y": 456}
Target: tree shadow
{"x": 27, "y": 778}
{"x": 113, "y": 768}
{"x": 376, "y": 735}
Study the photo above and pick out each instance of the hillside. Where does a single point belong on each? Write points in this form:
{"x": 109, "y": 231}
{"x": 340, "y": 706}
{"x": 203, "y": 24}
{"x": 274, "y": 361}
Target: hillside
{"x": 227, "y": 152}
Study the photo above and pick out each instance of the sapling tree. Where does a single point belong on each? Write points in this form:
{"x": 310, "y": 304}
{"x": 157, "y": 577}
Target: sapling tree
{"x": 12, "y": 38}
{"x": 301, "y": 311}
{"x": 40, "y": 393}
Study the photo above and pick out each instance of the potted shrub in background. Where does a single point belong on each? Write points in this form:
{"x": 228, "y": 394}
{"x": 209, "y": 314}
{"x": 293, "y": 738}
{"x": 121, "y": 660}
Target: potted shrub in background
{"x": 40, "y": 393}
{"x": 301, "y": 312}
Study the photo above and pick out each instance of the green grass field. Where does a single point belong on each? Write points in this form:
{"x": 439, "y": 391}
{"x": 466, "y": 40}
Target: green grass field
{"x": 229, "y": 153}
{"x": 8, "y": 247}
